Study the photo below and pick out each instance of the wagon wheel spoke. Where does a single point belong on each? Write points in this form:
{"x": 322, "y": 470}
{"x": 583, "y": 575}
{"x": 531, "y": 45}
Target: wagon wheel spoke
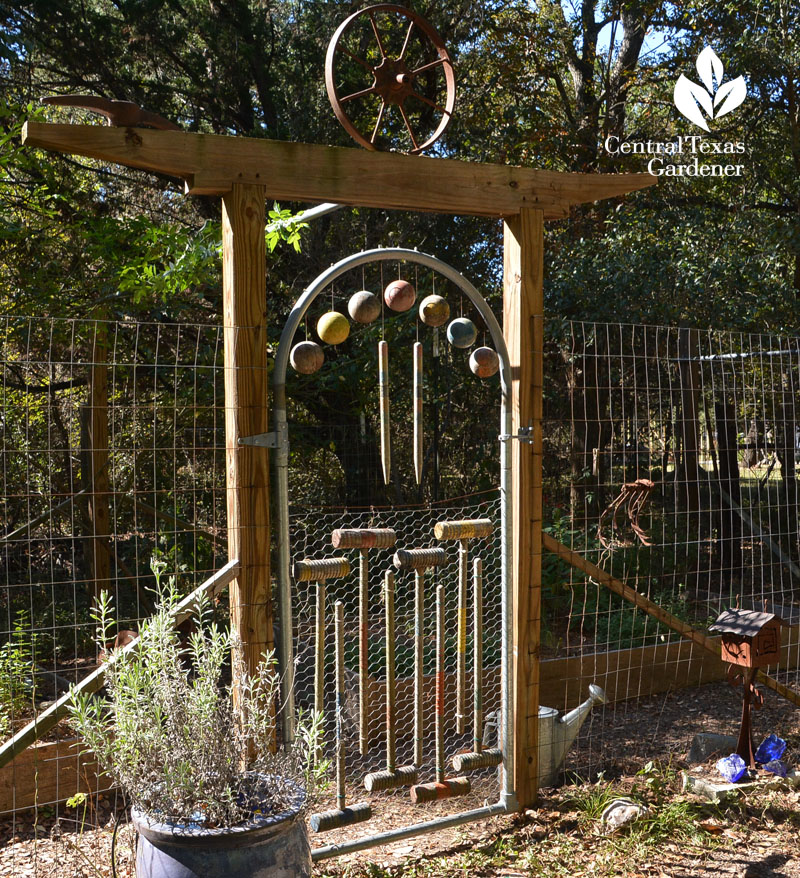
{"x": 405, "y": 42}
{"x": 439, "y": 107}
{"x": 378, "y": 123}
{"x": 359, "y": 94}
{"x": 429, "y": 66}
{"x": 392, "y": 78}
{"x": 358, "y": 60}
{"x": 377, "y": 35}
{"x": 408, "y": 126}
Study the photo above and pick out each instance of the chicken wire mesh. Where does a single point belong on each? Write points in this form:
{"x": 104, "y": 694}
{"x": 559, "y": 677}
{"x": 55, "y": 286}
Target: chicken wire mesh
{"x": 311, "y": 531}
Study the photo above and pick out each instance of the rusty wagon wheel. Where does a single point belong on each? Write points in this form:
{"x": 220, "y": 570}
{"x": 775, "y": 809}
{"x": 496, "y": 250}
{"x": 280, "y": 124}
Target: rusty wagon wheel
{"x": 383, "y": 57}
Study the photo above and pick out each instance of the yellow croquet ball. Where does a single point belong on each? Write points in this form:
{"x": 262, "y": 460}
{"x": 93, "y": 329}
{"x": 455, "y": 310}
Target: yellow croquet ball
{"x": 333, "y": 327}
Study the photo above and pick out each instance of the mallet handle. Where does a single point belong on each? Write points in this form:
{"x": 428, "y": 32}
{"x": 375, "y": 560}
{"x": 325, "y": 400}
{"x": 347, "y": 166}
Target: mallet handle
{"x": 440, "y": 684}
{"x": 390, "y": 687}
{"x": 477, "y": 656}
{"x": 461, "y": 667}
{"x": 319, "y": 651}
{"x": 419, "y": 646}
{"x": 363, "y": 652}
{"x": 340, "y": 754}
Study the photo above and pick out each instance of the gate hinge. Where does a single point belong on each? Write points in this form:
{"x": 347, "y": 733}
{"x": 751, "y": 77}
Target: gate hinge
{"x": 261, "y": 440}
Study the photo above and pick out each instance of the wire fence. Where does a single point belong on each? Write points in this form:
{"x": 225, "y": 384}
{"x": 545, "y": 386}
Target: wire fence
{"x": 670, "y": 465}
{"x": 671, "y": 461}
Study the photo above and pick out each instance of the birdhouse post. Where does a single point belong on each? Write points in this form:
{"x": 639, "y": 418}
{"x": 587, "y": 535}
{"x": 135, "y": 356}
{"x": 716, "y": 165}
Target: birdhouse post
{"x": 750, "y": 640}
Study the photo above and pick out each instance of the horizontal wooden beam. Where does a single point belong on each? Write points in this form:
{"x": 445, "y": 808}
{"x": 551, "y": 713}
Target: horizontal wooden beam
{"x": 210, "y": 164}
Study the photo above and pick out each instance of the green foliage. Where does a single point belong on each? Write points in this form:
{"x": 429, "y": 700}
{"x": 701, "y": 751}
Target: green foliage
{"x": 171, "y": 738}
{"x": 283, "y": 226}
{"x": 17, "y": 673}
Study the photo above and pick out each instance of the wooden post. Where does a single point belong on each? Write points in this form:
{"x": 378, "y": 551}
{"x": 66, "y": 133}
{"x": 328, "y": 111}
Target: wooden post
{"x": 523, "y": 327}
{"x": 245, "y": 333}
{"x": 99, "y": 518}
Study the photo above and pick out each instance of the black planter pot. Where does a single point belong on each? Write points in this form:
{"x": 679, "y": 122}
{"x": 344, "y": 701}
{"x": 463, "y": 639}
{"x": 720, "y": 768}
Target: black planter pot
{"x": 264, "y": 847}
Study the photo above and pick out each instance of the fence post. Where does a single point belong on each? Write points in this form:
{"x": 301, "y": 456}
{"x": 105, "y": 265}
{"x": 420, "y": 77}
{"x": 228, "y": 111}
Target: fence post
{"x": 247, "y": 466}
{"x": 523, "y": 327}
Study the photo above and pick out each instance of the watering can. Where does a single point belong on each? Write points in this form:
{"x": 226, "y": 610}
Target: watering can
{"x": 556, "y": 734}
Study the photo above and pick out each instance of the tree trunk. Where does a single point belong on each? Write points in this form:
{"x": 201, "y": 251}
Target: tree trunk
{"x": 730, "y": 532}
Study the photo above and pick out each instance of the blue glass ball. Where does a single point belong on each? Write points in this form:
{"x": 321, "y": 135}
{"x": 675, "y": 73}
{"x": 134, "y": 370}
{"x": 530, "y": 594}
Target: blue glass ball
{"x": 461, "y": 333}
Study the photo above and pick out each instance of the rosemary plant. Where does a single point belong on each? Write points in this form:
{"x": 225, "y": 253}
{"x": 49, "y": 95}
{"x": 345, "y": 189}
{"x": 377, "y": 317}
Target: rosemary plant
{"x": 169, "y": 734}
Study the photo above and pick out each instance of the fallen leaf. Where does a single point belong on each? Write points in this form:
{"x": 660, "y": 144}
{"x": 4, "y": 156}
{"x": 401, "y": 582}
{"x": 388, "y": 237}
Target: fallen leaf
{"x": 711, "y": 826}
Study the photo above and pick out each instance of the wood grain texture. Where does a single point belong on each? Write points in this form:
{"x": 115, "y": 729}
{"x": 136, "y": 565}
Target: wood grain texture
{"x": 48, "y": 773}
{"x": 211, "y": 164}
{"x": 245, "y": 334}
{"x": 523, "y": 325}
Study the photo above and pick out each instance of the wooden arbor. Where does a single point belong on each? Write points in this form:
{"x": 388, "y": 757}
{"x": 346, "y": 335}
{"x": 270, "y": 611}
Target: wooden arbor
{"x": 244, "y": 172}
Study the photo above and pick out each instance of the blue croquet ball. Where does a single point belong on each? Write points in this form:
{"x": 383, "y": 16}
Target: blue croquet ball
{"x": 461, "y": 332}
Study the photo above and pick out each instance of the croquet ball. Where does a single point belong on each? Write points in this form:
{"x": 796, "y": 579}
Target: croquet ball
{"x": 306, "y": 357}
{"x": 434, "y": 310}
{"x": 461, "y": 332}
{"x": 484, "y": 362}
{"x": 364, "y": 307}
{"x": 400, "y": 295}
{"x": 333, "y": 327}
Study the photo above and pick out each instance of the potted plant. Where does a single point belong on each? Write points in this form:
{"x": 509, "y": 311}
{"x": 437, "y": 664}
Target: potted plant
{"x": 211, "y": 794}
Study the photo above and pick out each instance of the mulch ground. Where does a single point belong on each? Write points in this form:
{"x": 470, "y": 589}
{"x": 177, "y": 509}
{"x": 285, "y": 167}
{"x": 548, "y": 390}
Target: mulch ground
{"x": 756, "y": 837}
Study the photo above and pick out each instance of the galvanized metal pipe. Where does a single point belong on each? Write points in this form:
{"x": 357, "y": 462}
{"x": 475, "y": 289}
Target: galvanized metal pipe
{"x": 461, "y": 643}
{"x": 508, "y": 801}
{"x": 371, "y": 841}
{"x": 419, "y": 655}
{"x": 477, "y": 656}
{"x": 363, "y": 652}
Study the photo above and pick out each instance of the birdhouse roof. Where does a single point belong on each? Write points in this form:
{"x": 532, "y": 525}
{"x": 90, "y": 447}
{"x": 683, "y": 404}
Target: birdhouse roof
{"x": 746, "y": 623}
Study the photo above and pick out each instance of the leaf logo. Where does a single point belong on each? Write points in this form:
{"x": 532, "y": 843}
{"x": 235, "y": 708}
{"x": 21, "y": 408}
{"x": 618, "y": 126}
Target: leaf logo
{"x": 693, "y": 100}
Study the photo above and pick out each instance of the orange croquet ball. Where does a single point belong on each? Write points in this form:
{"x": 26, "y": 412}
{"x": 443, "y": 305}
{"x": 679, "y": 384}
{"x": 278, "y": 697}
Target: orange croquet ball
{"x": 484, "y": 362}
{"x": 400, "y": 295}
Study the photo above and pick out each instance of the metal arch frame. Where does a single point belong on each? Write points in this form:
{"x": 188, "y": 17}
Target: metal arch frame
{"x": 508, "y": 798}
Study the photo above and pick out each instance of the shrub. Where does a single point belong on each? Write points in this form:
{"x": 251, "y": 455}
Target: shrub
{"x": 169, "y": 734}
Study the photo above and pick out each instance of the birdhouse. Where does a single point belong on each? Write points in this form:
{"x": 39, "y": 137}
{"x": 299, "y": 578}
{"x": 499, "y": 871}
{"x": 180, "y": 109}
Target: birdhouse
{"x": 749, "y": 638}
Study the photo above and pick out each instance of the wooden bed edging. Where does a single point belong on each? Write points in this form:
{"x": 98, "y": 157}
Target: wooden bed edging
{"x": 49, "y": 718}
